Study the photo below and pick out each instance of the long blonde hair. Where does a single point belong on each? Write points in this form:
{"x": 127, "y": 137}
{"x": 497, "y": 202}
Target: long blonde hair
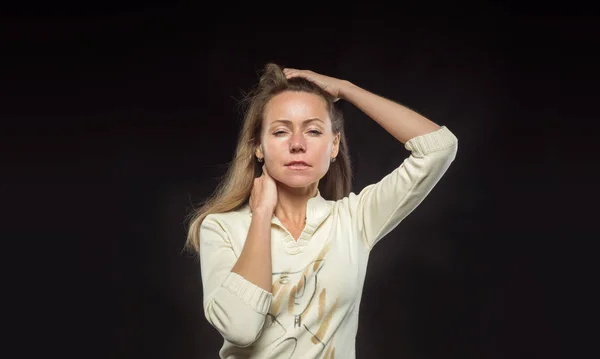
{"x": 233, "y": 191}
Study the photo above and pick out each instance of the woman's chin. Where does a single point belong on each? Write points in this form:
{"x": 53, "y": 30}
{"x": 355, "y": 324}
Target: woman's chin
{"x": 297, "y": 182}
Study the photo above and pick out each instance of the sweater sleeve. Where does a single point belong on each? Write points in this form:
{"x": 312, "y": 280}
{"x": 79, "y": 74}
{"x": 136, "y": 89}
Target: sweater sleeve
{"x": 380, "y": 207}
{"x": 232, "y": 305}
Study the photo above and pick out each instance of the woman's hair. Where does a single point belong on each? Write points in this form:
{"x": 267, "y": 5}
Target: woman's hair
{"x": 235, "y": 187}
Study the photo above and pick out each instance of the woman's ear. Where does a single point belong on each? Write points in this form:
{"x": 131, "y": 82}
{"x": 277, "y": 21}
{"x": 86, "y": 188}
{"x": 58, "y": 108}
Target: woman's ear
{"x": 336, "y": 145}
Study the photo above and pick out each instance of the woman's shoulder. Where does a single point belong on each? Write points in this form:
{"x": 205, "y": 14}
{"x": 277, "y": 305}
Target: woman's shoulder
{"x": 236, "y": 216}
{"x": 233, "y": 224}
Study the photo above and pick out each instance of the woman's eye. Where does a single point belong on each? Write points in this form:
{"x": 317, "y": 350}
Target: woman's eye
{"x": 314, "y": 132}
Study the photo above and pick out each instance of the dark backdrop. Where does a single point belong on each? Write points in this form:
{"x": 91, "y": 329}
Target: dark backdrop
{"x": 116, "y": 118}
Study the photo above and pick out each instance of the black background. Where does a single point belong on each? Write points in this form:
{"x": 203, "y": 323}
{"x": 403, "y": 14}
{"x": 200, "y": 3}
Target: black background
{"x": 116, "y": 118}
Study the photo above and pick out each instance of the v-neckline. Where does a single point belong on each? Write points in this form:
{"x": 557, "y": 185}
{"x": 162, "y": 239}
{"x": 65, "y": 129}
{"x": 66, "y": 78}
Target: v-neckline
{"x": 296, "y": 239}
{"x": 317, "y": 211}
{"x": 295, "y": 235}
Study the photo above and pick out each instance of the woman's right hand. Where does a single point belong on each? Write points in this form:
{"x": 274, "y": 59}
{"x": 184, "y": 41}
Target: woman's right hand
{"x": 264, "y": 193}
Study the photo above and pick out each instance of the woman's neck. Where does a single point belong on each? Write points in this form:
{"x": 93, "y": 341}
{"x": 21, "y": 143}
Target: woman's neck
{"x": 292, "y": 202}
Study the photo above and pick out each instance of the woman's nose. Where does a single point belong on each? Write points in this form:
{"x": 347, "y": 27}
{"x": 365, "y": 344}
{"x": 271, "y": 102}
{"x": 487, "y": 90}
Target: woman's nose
{"x": 297, "y": 142}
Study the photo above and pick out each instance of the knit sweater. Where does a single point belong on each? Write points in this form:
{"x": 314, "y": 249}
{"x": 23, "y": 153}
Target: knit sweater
{"x": 312, "y": 311}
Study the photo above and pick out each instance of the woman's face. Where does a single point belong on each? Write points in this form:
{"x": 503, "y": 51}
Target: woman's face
{"x": 297, "y": 127}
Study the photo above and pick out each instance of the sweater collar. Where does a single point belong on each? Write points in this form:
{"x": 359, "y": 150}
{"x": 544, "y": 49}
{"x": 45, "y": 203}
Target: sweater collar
{"x": 317, "y": 210}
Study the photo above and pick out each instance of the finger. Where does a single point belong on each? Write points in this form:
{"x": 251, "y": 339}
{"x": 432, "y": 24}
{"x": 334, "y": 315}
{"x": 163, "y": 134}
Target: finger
{"x": 289, "y": 73}
{"x": 297, "y": 74}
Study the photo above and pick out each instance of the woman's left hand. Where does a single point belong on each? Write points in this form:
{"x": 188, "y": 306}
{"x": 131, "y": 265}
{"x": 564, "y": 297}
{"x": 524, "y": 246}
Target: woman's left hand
{"x": 331, "y": 85}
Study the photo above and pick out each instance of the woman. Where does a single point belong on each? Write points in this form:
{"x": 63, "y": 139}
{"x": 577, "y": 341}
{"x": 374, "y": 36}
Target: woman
{"x": 284, "y": 256}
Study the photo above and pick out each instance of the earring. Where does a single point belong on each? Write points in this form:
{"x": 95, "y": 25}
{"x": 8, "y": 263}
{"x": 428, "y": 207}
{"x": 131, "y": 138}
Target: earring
{"x": 333, "y": 160}
{"x": 259, "y": 159}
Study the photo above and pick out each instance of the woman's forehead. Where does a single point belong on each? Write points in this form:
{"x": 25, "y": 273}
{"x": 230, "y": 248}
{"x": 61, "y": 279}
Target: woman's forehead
{"x": 296, "y": 108}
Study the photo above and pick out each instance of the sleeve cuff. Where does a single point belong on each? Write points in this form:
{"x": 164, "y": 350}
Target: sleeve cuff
{"x": 431, "y": 142}
{"x": 249, "y": 293}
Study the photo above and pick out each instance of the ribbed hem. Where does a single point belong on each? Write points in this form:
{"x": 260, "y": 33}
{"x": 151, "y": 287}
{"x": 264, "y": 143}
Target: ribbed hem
{"x": 431, "y": 142}
{"x": 254, "y": 296}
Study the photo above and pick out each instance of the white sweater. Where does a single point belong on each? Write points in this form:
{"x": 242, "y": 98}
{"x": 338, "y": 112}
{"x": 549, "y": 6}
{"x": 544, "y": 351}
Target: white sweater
{"x": 313, "y": 309}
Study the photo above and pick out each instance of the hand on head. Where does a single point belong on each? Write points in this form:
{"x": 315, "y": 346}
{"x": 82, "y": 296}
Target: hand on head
{"x": 331, "y": 85}
{"x": 264, "y": 193}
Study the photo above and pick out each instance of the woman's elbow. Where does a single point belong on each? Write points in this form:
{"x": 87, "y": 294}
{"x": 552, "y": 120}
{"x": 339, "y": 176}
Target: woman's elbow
{"x": 240, "y": 328}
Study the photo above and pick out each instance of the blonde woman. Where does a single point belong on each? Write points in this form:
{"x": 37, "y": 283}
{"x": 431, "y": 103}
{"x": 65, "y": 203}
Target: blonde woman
{"x": 283, "y": 242}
